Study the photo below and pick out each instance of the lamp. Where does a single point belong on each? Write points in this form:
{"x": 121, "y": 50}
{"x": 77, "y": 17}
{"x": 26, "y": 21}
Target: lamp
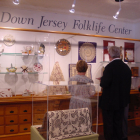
{"x": 16, "y": 2}
{"x": 117, "y": 13}
{"x": 73, "y": 5}
{"x": 72, "y": 11}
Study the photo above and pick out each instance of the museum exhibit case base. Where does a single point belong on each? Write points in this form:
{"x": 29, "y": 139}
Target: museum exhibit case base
{"x": 35, "y": 135}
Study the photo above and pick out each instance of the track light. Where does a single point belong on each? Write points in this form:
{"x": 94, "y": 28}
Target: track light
{"x": 117, "y": 14}
{"x": 73, "y": 5}
{"x": 16, "y": 2}
{"x": 72, "y": 11}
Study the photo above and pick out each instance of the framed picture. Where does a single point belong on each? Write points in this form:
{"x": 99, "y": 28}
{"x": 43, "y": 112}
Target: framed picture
{"x": 135, "y": 71}
{"x": 87, "y": 51}
{"x": 106, "y": 45}
{"x": 73, "y": 71}
{"x": 129, "y": 52}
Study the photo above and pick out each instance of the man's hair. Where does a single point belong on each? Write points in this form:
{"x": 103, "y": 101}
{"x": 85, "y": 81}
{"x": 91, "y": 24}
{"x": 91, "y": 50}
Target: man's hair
{"x": 81, "y": 66}
{"x": 114, "y": 52}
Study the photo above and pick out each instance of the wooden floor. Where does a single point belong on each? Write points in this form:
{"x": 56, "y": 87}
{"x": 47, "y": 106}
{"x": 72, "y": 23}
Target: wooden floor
{"x": 133, "y": 133}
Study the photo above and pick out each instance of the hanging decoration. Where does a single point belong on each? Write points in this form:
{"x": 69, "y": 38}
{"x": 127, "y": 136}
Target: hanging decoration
{"x": 56, "y": 74}
{"x": 87, "y": 51}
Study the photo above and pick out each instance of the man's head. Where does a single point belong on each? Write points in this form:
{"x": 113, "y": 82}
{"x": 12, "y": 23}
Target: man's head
{"x": 81, "y": 66}
{"x": 114, "y": 52}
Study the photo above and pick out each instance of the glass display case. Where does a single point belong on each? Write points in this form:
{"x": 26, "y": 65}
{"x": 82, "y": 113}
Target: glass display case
{"x": 37, "y": 88}
{"x": 73, "y": 114}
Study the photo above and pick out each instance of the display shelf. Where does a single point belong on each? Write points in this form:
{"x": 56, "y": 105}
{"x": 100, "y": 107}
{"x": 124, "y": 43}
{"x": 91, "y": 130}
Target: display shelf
{"x": 21, "y": 54}
{"x": 23, "y": 73}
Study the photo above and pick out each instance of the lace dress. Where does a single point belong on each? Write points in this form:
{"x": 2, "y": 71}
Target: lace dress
{"x": 81, "y": 89}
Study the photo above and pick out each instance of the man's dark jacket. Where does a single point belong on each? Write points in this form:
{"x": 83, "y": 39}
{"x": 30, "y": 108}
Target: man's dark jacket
{"x": 116, "y": 84}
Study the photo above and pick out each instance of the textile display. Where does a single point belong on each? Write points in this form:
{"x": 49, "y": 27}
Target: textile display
{"x": 64, "y": 124}
{"x": 87, "y": 51}
{"x": 57, "y": 89}
{"x": 56, "y": 74}
{"x": 73, "y": 71}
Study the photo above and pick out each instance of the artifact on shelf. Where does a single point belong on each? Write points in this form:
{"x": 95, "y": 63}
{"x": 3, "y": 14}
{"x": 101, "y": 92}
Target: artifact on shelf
{"x": 5, "y": 92}
{"x": 37, "y": 67}
{"x": 28, "y": 50}
{"x": 41, "y": 49}
{"x": 9, "y": 40}
{"x": 26, "y": 92}
{"x": 56, "y": 74}
{"x": 24, "y": 69}
{"x": 11, "y": 69}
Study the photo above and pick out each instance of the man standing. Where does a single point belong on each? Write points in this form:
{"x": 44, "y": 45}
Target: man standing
{"x": 116, "y": 84}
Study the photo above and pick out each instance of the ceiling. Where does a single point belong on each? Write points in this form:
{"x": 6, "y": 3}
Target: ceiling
{"x": 130, "y": 9}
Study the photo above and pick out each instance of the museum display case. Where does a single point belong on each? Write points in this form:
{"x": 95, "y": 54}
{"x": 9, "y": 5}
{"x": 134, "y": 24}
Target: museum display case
{"x": 35, "y": 68}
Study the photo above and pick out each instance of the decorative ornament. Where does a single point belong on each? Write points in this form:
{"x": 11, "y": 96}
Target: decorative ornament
{"x": 28, "y": 50}
{"x": 11, "y": 69}
{"x": 56, "y": 74}
{"x": 87, "y": 52}
{"x": 37, "y": 67}
{"x": 9, "y": 40}
{"x": 41, "y": 49}
{"x": 63, "y": 47}
{"x": 24, "y": 68}
{"x": 5, "y": 92}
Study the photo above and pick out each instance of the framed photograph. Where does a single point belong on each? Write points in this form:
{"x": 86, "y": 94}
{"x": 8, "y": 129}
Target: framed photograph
{"x": 135, "y": 71}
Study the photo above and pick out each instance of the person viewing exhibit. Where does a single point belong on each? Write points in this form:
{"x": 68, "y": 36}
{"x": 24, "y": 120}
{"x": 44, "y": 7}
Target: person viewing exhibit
{"x": 116, "y": 85}
{"x": 81, "y": 88}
